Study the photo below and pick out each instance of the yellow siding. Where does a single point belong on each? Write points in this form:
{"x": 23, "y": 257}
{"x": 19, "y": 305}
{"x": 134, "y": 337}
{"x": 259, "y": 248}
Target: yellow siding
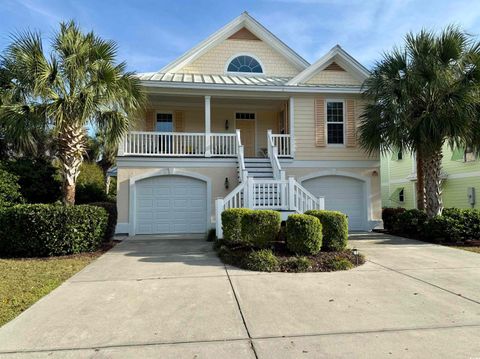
{"x": 333, "y": 77}
{"x": 306, "y": 148}
{"x": 215, "y": 60}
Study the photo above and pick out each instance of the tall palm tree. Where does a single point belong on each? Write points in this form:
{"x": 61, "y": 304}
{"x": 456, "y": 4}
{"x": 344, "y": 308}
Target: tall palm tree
{"x": 422, "y": 96}
{"x": 78, "y": 83}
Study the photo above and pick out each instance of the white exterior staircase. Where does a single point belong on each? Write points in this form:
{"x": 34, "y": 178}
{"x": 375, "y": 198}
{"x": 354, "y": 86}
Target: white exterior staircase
{"x": 263, "y": 186}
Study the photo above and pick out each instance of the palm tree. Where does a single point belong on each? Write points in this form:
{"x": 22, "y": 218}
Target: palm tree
{"x": 78, "y": 83}
{"x": 104, "y": 153}
{"x": 422, "y": 96}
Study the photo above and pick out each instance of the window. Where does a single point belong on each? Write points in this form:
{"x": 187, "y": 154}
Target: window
{"x": 244, "y": 116}
{"x": 245, "y": 64}
{"x": 335, "y": 122}
{"x": 164, "y": 122}
{"x": 401, "y": 195}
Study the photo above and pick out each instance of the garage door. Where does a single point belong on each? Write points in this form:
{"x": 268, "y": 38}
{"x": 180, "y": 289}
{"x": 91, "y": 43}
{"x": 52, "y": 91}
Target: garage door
{"x": 171, "y": 204}
{"x": 344, "y": 194}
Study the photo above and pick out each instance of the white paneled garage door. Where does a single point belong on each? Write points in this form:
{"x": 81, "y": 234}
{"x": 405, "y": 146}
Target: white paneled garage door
{"x": 344, "y": 194}
{"x": 171, "y": 204}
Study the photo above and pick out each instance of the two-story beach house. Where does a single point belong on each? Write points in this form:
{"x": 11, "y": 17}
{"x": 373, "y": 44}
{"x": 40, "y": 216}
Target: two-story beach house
{"x": 242, "y": 120}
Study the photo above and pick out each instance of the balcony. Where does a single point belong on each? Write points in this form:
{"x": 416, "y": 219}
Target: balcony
{"x": 186, "y": 144}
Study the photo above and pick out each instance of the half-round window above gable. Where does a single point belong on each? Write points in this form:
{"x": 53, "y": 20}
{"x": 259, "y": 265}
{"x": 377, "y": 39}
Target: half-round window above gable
{"x": 245, "y": 64}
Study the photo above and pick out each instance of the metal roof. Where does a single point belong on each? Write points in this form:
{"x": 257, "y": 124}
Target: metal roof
{"x": 228, "y": 80}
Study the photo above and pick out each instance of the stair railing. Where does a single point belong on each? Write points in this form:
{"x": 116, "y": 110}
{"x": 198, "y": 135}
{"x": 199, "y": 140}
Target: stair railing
{"x": 242, "y": 171}
{"x": 300, "y": 199}
{"x": 278, "y": 174}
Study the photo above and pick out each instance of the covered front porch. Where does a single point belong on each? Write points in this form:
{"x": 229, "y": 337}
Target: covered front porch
{"x": 211, "y": 126}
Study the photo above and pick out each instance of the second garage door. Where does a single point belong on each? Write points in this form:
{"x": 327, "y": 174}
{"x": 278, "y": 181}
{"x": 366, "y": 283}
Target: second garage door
{"x": 344, "y": 194}
{"x": 171, "y": 205}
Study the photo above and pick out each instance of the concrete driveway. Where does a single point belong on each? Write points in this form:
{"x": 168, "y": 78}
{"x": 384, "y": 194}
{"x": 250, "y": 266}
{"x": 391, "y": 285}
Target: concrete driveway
{"x": 172, "y": 298}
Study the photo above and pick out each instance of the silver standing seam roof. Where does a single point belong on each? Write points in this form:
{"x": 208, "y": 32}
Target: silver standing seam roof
{"x": 244, "y": 80}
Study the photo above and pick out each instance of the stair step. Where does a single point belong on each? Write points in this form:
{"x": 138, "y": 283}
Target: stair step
{"x": 259, "y": 169}
{"x": 258, "y": 164}
{"x": 257, "y": 160}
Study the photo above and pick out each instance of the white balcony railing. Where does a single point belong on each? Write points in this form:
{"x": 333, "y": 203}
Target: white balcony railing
{"x": 283, "y": 144}
{"x": 178, "y": 144}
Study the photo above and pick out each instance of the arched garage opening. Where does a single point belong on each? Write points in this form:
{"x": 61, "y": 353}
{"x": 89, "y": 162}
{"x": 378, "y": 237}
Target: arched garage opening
{"x": 169, "y": 202}
{"x": 343, "y": 192}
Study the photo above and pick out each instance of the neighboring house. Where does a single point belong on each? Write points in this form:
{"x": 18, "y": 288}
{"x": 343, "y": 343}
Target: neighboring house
{"x": 460, "y": 173}
{"x": 241, "y": 120}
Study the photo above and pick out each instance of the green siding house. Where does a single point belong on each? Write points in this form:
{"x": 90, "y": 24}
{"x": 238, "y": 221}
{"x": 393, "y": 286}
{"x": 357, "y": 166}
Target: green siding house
{"x": 461, "y": 183}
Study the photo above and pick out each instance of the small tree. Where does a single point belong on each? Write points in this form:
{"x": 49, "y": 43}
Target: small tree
{"x": 78, "y": 83}
{"x": 424, "y": 95}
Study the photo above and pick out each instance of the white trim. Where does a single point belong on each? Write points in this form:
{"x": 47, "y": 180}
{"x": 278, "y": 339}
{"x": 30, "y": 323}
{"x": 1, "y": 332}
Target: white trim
{"x": 326, "y": 122}
{"x": 244, "y": 20}
{"x": 288, "y": 163}
{"x": 154, "y": 162}
{"x": 122, "y": 228}
{"x": 367, "y": 185}
{"x": 464, "y": 175}
{"x": 208, "y": 120}
{"x": 167, "y": 113}
{"x": 255, "y": 88}
{"x": 291, "y": 124}
{"x": 165, "y": 172}
{"x": 336, "y": 54}
{"x": 244, "y": 73}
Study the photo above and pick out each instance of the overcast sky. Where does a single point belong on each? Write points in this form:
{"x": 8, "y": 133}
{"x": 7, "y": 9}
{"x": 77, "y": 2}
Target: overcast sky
{"x": 152, "y": 33}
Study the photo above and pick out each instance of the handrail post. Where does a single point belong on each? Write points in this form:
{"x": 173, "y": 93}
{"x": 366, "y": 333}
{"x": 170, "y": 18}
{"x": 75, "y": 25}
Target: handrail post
{"x": 250, "y": 193}
{"x": 219, "y": 206}
{"x": 291, "y": 193}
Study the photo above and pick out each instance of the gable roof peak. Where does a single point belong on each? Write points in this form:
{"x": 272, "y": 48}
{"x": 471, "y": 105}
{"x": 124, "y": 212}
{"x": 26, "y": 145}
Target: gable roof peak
{"x": 243, "y": 20}
{"x": 341, "y": 57}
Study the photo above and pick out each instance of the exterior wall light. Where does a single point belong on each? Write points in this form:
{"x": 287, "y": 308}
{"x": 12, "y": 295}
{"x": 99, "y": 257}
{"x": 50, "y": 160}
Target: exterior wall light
{"x": 227, "y": 125}
{"x": 227, "y": 184}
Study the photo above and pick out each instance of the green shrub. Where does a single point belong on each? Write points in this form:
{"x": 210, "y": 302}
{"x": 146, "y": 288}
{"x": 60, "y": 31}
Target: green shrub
{"x": 304, "y": 234}
{"x": 389, "y": 217}
{"x": 442, "y": 229}
{"x": 262, "y": 260}
{"x": 111, "y": 209}
{"x": 410, "y": 223}
{"x": 334, "y": 229}
{"x": 211, "y": 235}
{"x": 90, "y": 184}
{"x": 40, "y": 230}
{"x": 232, "y": 224}
{"x": 38, "y": 179}
{"x": 9, "y": 189}
{"x": 467, "y": 221}
{"x": 297, "y": 264}
{"x": 339, "y": 263}
{"x": 261, "y": 227}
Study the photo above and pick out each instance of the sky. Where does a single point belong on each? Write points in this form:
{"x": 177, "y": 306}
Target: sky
{"x": 151, "y": 33}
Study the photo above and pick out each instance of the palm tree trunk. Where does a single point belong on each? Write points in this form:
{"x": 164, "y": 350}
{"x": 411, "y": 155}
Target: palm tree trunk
{"x": 433, "y": 182}
{"x": 420, "y": 181}
{"x": 71, "y": 148}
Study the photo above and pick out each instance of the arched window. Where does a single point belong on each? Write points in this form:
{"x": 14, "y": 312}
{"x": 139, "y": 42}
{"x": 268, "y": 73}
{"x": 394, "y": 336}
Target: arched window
{"x": 244, "y": 63}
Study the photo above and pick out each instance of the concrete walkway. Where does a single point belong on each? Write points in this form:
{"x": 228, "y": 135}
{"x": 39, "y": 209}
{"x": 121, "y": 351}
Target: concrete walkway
{"x": 172, "y": 298}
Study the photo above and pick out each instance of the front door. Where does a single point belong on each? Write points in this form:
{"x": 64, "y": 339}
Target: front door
{"x": 247, "y": 134}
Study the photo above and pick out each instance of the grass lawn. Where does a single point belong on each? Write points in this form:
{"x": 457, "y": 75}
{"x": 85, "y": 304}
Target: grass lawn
{"x": 475, "y": 249}
{"x": 24, "y": 281}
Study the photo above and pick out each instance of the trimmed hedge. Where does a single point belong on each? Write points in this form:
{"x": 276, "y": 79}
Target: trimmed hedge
{"x": 389, "y": 216}
{"x": 304, "y": 234}
{"x": 111, "y": 209}
{"x": 410, "y": 223}
{"x": 334, "y": 229}
{"x": 453, "y": 226}
{"x": 39, "y": 230}
{"x": 261, "y": 227}
{"x": 232, "y": 224}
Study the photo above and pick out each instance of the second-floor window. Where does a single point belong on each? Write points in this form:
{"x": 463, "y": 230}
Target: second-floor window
{"x": 335, "y": 123}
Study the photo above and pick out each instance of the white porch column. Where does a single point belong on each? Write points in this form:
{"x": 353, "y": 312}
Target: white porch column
{"x": 291, "y": 128}
{"x": 208, "y": 150}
